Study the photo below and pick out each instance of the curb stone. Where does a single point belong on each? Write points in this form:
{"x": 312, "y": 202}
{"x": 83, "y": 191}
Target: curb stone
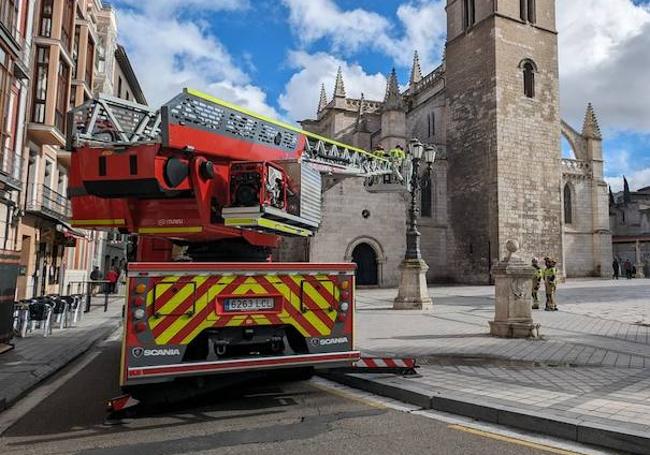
{"x": 46, "y": 371}
{"x": 569, "y": 429}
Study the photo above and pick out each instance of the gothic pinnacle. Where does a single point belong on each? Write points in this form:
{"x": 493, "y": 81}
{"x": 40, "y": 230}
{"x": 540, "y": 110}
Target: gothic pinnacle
{"x": 323, "y": 98}
{"x": 393, "y": 98}
{"x": 416, "y": 71}
{"x": 339, "y": 87}
{"x": 590, "y": 127}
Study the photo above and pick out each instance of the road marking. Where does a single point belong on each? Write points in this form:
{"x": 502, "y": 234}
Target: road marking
{"x": 316, "y": 382}
{"x": 521, "y": 442}
{"x": 562, "y": 446}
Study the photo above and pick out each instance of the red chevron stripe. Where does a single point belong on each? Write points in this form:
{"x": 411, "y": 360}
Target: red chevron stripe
{"x": 204, "y": 313}
{"x": 320, "y": 284}
{"x": 184, "y": 306}
{"x": 292, "y": 310}
{"x": 320, "y": 314}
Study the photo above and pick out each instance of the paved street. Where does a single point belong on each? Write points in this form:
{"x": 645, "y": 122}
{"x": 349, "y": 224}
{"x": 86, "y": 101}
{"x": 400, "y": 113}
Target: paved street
{"x": 265, "y": 417}
{"x": 36, "y": 357}
{"x": 590, "y": 367}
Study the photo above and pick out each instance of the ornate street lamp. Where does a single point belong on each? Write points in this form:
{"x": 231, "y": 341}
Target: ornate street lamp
{"x": 413, "y": 291}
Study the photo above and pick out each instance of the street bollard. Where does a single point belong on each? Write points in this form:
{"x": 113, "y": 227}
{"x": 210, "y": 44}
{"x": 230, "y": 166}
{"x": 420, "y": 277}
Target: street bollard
{"x": 105, "y": 302}
{"x": 88, "y": 297}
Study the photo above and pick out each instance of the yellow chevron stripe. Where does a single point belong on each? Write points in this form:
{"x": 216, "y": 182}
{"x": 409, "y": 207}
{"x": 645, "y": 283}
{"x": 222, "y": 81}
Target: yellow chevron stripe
{"x": 161, "y": 288}
{"x": 284, "y": 316}
{"x": 250, "y": 284}
{"x": 199, "y": 305}
{"x": 187, "y": 291}
{"x": 317, "y": 297}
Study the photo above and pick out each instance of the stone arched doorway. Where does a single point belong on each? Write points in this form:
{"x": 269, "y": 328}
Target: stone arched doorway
{"x": 367, "y": 268}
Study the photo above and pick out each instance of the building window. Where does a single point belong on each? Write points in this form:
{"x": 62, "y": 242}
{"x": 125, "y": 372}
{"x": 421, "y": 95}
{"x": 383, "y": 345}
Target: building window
{"x": 6, "y": 143}
{"x": 40, "y": 84}
{"x": 469, "y": 13}
{"x": 75, "y": 51}
{"x": 119, "y": 87}
{"x": 529, "y": 79}
{"x": 426, "y": 199}
{"x": 45, "y": 27}
{"x": 527, "y": 10}
{"x": 9, "y": 15}
{"x": 90, "y": 64}
{"x": 67, "y": 24}
{"x": 62, "y": 87}
{"x": 531, "y": 11}
{"x": 568, "y": 207}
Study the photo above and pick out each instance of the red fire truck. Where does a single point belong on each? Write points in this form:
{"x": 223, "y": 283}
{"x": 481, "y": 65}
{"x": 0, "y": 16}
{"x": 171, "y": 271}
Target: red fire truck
{"x": 210, "y": 188}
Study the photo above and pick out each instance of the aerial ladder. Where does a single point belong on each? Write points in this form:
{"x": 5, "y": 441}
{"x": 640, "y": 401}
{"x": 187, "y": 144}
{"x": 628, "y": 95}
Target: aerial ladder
{"x": 225, "y": 184}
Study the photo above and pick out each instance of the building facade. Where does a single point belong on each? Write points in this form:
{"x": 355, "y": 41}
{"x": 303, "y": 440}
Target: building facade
{"x": 60, "y": 66}
{"x": 629, "y": 215}
{"x": 492, "y": 110}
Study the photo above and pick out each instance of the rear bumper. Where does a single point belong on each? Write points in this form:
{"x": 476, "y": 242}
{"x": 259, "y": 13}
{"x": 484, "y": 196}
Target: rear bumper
{"x": 136, "y": 375}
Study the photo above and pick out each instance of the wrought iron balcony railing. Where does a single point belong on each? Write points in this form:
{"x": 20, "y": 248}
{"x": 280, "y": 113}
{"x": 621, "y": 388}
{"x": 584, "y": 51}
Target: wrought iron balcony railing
{"x": 44, "y": 200}
{"x": 10, "y": 167}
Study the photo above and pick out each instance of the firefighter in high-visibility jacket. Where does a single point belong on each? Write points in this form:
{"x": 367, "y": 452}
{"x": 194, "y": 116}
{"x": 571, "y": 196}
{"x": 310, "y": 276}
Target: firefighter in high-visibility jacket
{"x": 550, "y": 284}
{"x": 537, "y": 282}
{"x": 397, "y": 153}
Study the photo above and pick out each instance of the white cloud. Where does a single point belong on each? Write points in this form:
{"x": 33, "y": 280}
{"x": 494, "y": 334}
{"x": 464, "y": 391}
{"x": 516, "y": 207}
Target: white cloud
{"x": 169, "y": 54}
{"x": 605, "y": 59}
{"x": 423, "y": 23}
{"x": 301, "y": 94}
{"x": 637, "y": 180}
{"x": 169, "y": 7}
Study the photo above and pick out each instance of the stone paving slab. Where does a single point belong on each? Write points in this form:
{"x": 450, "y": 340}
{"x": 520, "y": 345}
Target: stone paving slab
{"x": 589, "y": 371}
{"x": 35, "y": 358}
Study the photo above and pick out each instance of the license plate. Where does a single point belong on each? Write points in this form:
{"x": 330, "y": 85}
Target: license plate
{"x": 249, "y": 304}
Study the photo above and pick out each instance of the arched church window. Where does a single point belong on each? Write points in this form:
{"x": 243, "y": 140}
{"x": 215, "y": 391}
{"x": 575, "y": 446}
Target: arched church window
{"x": 426, "y": 199}
{"x": 469, "y": 13}
{"x": 433, "y": 124}
{"x": 568, "y": 208}
{"x": 532, "y": 16}
{"x": 527, "y": 10}
{"x": 529, "y": 79}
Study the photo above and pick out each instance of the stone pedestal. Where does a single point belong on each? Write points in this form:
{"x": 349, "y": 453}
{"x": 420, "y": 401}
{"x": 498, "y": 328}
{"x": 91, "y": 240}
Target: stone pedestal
{"x": 413, "y": 291}
{"x": 639, "y": 264}
{"x": 513, "y": 300}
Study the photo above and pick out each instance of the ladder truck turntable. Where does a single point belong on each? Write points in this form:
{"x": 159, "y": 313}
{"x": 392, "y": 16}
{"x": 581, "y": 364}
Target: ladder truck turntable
{"x": 225, "y": 184}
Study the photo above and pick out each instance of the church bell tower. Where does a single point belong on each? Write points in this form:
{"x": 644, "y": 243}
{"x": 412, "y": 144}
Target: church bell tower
{"x": 503, "y": 133}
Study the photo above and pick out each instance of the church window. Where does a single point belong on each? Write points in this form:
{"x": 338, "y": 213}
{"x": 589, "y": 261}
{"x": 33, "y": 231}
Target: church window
{"x": 429, "y": 125}
{"x": 531, "y": 11}
{"x": 527, "y": 10}
{"x": 568, "y": 208}
{"x": 469, "y": 13}
{"x": 426, "y": 199}
{"x": 433, "y": 124}
{"x": 529, "y": 79}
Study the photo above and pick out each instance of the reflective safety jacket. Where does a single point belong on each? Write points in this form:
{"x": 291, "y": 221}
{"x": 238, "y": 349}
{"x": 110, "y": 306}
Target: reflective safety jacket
{"x": 397, "y": 154}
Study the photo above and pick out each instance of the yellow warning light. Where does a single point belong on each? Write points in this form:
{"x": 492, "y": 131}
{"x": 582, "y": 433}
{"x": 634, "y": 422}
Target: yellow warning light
{"x": 345, "y": 284}
{"x": 140, "y": 288}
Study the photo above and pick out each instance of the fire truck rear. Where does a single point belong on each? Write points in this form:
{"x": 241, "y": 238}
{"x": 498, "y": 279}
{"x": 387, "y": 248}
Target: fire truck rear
{"x": 216, "y": 186}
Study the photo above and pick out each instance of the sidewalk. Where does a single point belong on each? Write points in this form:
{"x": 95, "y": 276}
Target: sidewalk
{"x": 35, "y": 358}
{"x": 587, "y": 379}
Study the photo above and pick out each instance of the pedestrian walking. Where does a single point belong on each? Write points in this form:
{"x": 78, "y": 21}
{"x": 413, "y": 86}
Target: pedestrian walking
{"x": 112, "y": 277}
{"x": 95, "y": 275}
{"x": 537, "y": 282}
{"x": 616, "y": 267}
{"x": 550, "y": 284}
{"x": 627, "y": 266}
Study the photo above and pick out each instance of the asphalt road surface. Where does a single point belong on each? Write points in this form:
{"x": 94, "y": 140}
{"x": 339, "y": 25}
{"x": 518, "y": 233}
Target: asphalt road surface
{"x": 269, "y": 416}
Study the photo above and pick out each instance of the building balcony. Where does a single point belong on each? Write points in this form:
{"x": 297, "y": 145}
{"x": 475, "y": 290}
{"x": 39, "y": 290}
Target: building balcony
{"x": 10, "y": 166}
{"x": 43, "y": 134}
{"x": 44, "y": 201}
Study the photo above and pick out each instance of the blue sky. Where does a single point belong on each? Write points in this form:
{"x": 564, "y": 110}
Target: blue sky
{"x": 272, "y": 56}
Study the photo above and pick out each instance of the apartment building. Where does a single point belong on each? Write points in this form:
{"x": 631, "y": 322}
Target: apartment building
{"x": 69, "y": 52}
{"x": 15, "y": 43}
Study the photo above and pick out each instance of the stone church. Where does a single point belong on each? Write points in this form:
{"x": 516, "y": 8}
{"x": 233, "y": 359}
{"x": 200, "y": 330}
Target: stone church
{"x": 492, "y": 110}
